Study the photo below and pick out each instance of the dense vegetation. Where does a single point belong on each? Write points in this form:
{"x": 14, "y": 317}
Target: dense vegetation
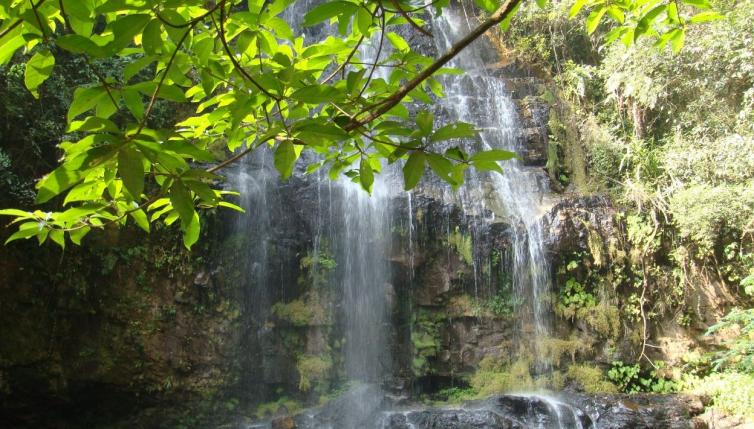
{"x": 671, "y": 139}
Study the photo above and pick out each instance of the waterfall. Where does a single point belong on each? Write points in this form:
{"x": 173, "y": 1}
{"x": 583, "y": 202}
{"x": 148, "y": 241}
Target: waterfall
{"x": 517, "y": 195}
{"x": 355, "y": 228}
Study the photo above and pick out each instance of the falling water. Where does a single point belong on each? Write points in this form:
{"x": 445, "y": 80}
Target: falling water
{"x": 482, "y": 99}
{"x": 356, "y": 227}
{"x": 362, "y": 241}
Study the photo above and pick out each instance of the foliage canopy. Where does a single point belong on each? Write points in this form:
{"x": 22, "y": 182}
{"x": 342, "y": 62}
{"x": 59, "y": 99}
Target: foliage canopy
{"x": 251, "y": 81}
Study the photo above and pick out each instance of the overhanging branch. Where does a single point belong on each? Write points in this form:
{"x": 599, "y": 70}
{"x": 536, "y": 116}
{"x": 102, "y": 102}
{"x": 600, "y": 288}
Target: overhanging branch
{"x": 391, "y": 101}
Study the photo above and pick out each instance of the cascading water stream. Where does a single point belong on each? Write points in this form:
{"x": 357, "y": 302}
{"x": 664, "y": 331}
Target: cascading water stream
{"x": 479, "y": 98}
{"x": 356, "y": 228}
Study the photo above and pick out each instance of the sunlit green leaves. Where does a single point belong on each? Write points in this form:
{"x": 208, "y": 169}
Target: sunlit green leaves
{"x": 285, "y": 158}
{"x": 487, "y": 5}
{"x": 241, "y": 79}
{"x": 424, "y": 120}
{"x": 632, "y": 20}
{"x": 38, "y": 69}
{"x": 131, "y": 169}
{"x": 457, "y": 130}
{"x": 85, "y": 99}
{"x": 329, "y": 10}
{"x": 315, "y": 94}
{"x": 398, "y": 42}
{"x": 366, "y": 175}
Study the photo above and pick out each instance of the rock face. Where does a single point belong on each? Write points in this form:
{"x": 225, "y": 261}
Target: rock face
{"x": 120, "y": 325}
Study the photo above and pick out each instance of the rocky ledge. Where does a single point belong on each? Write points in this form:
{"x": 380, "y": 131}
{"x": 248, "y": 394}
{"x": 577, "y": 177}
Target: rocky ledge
{"x": 365, "y": 407}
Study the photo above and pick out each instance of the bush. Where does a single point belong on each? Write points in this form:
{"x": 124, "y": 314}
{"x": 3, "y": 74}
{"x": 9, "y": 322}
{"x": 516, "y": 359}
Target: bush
{"x": 590, "y": 379}
{"x": 731, "y": 392}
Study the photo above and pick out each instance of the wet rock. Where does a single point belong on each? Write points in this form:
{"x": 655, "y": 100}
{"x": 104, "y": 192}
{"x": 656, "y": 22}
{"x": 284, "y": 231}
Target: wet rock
{"x": 467, "y": 340}
{"x": 526, "y": 411}
{"x": 202, "y": 279}
{"x": 285, "y": 422}
{"x": 449, "y": 419}
{"x": 570, "y": 221}
{"x": 534, "y": 146}
{"x": 638, "y": 411}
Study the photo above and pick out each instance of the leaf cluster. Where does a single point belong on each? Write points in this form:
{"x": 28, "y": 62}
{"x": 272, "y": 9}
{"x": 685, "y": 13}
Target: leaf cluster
{"x": 252, "y": 80}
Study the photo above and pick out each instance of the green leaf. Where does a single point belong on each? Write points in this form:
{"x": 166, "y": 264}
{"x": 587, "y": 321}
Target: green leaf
{"x": 456, "y": 153}
{"x": 191, "y": 231}
{"x": 77, "y": 234}
{"x": 10, "y": 43}
{"x": 131, "y": 170}
{"x": 413, "y": 170}
{"x": 705, "y": 17}
{"x": 136, "y": 66}
{"x": 425, "y": 121}
{"x": 87, "y": 191}
{"x": 134, "y": 102}
{"x": 140, "y": 218}
{"x": 507, "y": 21}
{"x": 645, "y": 23}
{"x": 328, "y": 10}
{"x": 167, "y": 91}
{"x": 80, "y": 45}
{"x": 38, "y": 69}
{"x": 125, "y": 29}
{"x": 231, "y": 206}
{"x": 442, "y": 168}
{"x": 58, "y": 236}
{"x": 205, "y": 193}
{"x": 593, "y": 20}
{"x": 616, "y": 14}
{"x": 488, "y": 5}
{"x": 492, "y": 155}
{"x": 25, "y": 230}
{"x": 285, "y": 159}
{"x": 363, "y": 20}
{"x": 398, "y": 42}
{"x": 56, "y": 182}
{"x": 315, "y": 94}
{"x": 182, "y": 202}
{"x": 366, "y": 175}
{"x": 676, "y": 41}
{"x": 700, "y": 4}
{"x": 151, "y": 38}
{"x": 93, "y": 124}
{"x": 576, "y": 8}
{"x": 488, "y": 166}
{"x": 85, "y": 99}
{"x": 541, "y": 3}
{"x": 15, "y": 212}
{"x": 454, "y": 131}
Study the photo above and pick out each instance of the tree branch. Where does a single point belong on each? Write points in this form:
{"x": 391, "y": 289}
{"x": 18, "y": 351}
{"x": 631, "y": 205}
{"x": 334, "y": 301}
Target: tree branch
{"x": 501, "y": 14}
{"x": 409, "y": 19}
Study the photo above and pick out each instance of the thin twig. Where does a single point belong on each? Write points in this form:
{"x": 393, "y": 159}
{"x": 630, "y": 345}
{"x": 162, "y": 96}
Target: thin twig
{"x": 18, "y": 22}
{"x": 229, "y": 52}
{"x": 239, "y": 155}
{"x": 410, "y": 20}
{"x": 189, "y": 23}
{"x": 39, "y": 20}
{"x": 343, "y": 65}
{"x": 377, "y": 57}
{"x": 152, "y": 100}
